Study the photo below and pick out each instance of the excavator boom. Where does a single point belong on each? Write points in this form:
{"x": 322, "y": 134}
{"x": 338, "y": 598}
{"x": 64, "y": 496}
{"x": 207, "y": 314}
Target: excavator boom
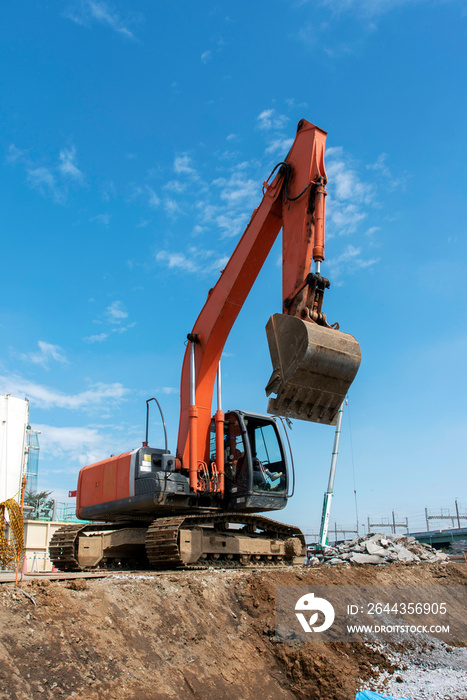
{"x": 313, "y": 364}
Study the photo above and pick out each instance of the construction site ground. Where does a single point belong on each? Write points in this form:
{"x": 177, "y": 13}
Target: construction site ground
{"x": 208, "y": 634}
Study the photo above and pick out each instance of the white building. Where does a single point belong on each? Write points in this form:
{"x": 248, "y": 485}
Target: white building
{"x": 14, "y": 445}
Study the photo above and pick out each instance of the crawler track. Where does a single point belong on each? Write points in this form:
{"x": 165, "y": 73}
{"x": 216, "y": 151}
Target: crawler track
{"x": 163, "y": 541}
{"x": 62, "y": 549}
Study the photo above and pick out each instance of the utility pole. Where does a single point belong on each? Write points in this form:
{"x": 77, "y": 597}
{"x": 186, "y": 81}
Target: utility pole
{"x": 443, "y": 516}
{"x": 392, "y": 525}
{"x": 329, "y": 493}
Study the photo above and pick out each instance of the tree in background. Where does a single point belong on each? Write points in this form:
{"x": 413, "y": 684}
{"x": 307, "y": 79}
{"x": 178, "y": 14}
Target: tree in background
{"x": 43, "y": 507}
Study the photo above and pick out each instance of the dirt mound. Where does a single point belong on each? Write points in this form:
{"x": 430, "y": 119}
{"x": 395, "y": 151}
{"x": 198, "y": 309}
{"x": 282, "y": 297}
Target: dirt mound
{"x": 200, "y": 634}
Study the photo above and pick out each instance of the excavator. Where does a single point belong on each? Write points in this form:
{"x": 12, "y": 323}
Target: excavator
{"x": 200, "y": 505}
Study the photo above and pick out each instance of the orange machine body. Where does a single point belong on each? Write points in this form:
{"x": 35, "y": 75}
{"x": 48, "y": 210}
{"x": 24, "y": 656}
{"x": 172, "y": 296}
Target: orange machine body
{"x": 103, "y": 482}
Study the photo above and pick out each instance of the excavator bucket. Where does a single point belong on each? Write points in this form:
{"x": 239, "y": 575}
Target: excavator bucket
{"x": 313, "y": 368}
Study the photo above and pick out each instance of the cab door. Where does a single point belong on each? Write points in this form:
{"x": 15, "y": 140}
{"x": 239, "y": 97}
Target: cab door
{"x": 256, "y": 476}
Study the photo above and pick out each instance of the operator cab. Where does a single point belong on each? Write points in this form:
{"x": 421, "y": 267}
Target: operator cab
{"x": 256, "y": 474}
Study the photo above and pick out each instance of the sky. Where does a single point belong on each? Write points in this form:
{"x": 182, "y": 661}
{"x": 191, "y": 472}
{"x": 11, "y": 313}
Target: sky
{"x": 134, "y": 141}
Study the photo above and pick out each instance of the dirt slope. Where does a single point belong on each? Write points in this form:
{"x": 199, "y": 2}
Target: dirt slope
{"x": 183, "y": 635}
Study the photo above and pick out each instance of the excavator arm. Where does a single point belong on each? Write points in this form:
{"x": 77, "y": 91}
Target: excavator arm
{"x": 295, "y": 202}
{"x": 313, "y": 366}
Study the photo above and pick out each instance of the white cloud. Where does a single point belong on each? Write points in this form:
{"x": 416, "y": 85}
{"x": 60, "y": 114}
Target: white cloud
{"x": 77, "y": 446}
{"x": 345, "y": 180}
{"x": 171, "y": 206}
{"x": 102, "y": 219}
{"x": 43, "y": 180}
{"x": 109, "y": 191}
{"x": 349, "y": 196}
{"x": 168, "y": 390}
{"x": 49, "y": 180}
{"x": 366, "y": 8}
{"x": 239, "y": 195}
{"x": 280, "y": 145}
{"x": 98, "y": 338}
{"x": 196, "y": 260}
{"x": 67, "y": 166}
{"x": 153, "y": 199}
{"x": 88, "y": 11}
{"x": 115, "y": 318}
{"x": 175, "y": 186}
{"x": 182, "y": 165}
{"x": 206, "y": 56}
{"x": 381, "y": 168}
{"x": 349, "y": 260}
{"x": 268, "y": 119}
{"x": 232, "y": 225}
{"x": 47, "y": 352}
{"x": 237, "y": 190}
{"x": 177, "y": 260}
{"x": 116, "y": 312}
{"x": 16, "y": 155}
{"x": 46, "y": 397}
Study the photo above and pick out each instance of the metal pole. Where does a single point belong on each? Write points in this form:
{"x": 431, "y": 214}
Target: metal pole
{"x": 192, "y": 375}
{"x": 332, "y": 472}
{"x": 219, "y": 387}
{"x": 219, "y": 433}
{"x": 146, "y": 443}
{"x": 427, "y": 521}
{"x": 457, "y": 511}
{"x": 193, "y": 418}
{"x": 335, "y": 449}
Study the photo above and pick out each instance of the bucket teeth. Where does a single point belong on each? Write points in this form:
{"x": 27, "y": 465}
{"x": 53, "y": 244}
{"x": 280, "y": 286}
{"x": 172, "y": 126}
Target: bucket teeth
{"x": 313, "y": 368}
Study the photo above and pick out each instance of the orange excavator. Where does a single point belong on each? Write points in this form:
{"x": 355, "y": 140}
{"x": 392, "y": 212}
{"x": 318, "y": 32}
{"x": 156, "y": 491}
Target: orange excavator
{"x": 199, "y": 506}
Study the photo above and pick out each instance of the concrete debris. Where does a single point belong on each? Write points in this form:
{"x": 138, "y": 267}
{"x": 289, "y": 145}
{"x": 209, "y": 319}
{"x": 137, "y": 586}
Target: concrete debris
{"x": 382, "y": 549}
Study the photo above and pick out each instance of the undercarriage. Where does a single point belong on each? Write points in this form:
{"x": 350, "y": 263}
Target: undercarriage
{"x": 227, "y": 540}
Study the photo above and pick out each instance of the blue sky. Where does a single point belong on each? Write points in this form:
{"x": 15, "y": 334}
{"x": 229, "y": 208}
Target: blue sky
{"x": 135, "y": 138}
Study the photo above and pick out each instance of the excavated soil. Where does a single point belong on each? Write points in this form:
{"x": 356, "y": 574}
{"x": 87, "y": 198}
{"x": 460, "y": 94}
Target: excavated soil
{"x": 200, "y": 634}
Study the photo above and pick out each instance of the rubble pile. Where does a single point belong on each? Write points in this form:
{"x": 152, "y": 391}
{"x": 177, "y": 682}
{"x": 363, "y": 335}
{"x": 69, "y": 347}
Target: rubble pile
{"x": 382, "y": 549}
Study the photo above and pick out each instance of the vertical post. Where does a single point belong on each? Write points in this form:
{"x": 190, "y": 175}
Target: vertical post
{"x": 332, "y": 472}
{"x": 457, "y": 513}
{"x": 193, "y": 419}
{"x": 393, "y": 524}
{"x": 368, "y": 526}
{"x": 219, "y": 426}
{"x": 427, "y": 521}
